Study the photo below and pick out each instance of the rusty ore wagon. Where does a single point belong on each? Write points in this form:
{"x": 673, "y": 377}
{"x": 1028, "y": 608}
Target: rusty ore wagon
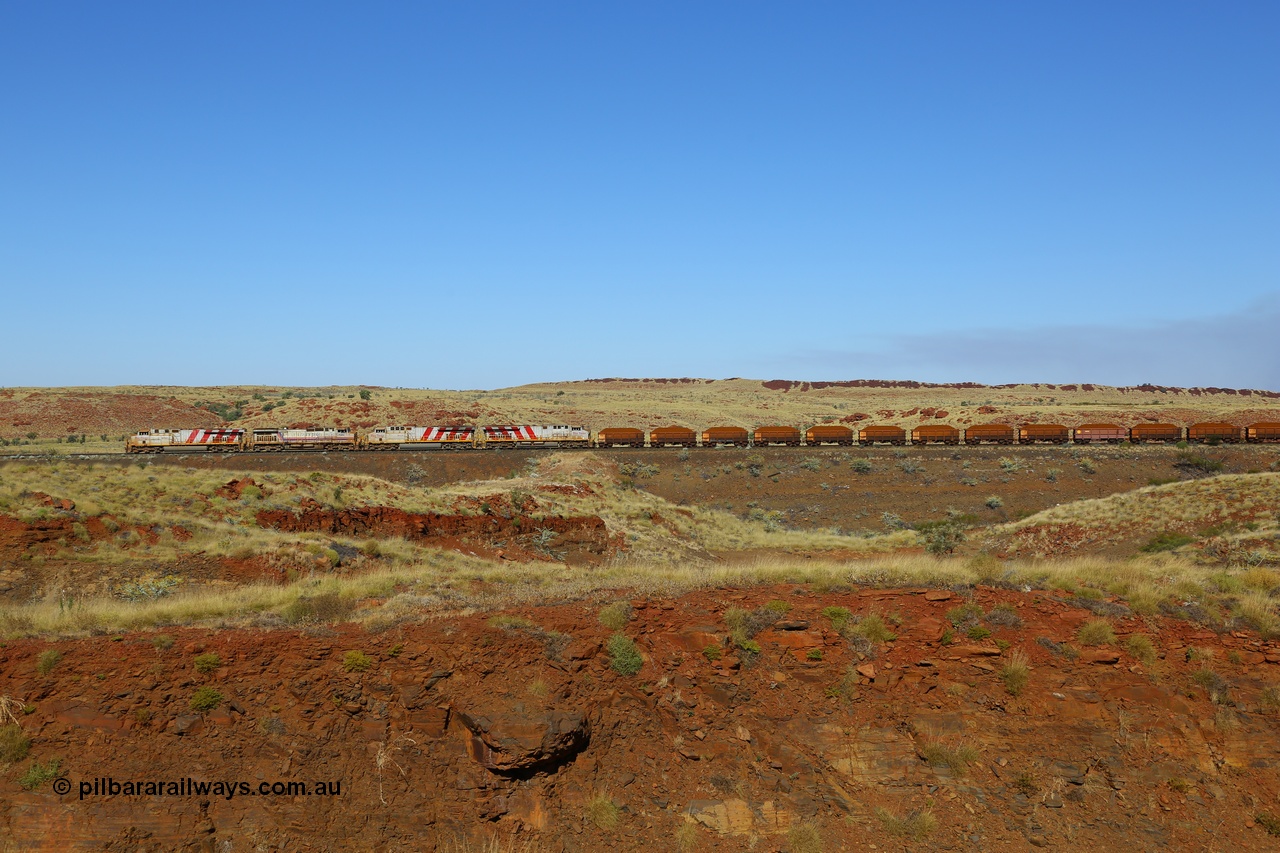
{"x": 766, "y": 435}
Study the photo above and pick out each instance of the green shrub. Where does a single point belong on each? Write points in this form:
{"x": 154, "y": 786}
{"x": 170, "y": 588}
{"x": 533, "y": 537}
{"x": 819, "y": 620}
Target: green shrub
{"x": 861, "y": 466}
{"x": 977, "y": 632}
{"x": 47, "y": 661}
{"x": 1096, "y": 632}
{"x": 779, "y": 607}
{"x": 616, "y": 615}
{"x": 162, "y": 642}
{"x": 916, "y": 825}
{"x": 603, "y": 812}
{"x": 1141, "y": 647}
{"x": 872, "y": 627}
{"x": 13, "y": 743}
{"x": 957, "y": 759}
{"x": 994, "y": 502}
{"x": 1167, "y": 541}
{"x": 964, "y": 614}
{"x": 207, "y": 662}
{"x": 1268, "y": 822}
{"x": 205, "y": 699}
{"x": 814, "y": 654}
{"x": 37, "y": 774}
{"x": 624, "y": 657}
{"x": 940, "y": 539}
{"x": 356, "y": 661}
{"x": 1016, "y": 673}
{"x": 839, "y": 617}
{"x": 712, "y": 653}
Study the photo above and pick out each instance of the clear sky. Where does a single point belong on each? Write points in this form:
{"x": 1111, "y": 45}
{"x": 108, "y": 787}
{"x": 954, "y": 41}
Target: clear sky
{"x": 477, "y": 195}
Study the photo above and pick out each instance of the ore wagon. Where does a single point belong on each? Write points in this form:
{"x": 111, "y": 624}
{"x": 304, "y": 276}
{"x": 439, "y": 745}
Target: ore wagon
{"x": 1155, "y": 432}
{"x": 829, "y": 434}
{"x": 766, "y": 435}
{"x": 1107, "y": 433}
{"x": 882, "y": 434}
{"x": 420, "y": 437}
{"x": 672, "y": 436}
{"x": 1044, "y": 433}
{"x": 935, "y": 434}
{"x": 726, "y": 435}
{"x": 530, "y": 435}
{"x": 620, "y": 437}
{"x": 312, "y": 438}
{"x": 1213, "y": 431}
{"x": 158, "y": 440}
{"x": 989, "y": 434}
{"x": 1262, "y": 432}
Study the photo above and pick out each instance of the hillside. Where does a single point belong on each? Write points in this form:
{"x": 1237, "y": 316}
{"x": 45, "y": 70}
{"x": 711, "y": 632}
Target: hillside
{"x": 52, "y": 414}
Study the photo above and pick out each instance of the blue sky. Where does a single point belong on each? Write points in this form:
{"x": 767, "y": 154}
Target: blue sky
{"x": 488, "y": 194}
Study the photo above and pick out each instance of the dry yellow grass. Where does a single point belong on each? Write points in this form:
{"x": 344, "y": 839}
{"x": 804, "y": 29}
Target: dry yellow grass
{"x": 446, "y": 583}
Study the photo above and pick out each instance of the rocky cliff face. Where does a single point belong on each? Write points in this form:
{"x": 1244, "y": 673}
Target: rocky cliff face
{"x": 457, "y": 730}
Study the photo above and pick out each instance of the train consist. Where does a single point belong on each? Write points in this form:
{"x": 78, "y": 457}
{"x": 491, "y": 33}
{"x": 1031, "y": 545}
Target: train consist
{"x": 528, "y": 435}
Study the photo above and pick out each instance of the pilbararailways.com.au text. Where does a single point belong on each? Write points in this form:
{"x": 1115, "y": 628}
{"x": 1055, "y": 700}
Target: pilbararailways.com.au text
{"x": 227, "y": 789}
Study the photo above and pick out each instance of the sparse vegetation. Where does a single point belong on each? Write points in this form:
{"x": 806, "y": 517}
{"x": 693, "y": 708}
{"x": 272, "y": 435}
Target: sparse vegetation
{"x": 917, "y": 825}
{"x": 37, "y": 774}
{"x": 205, "y": 699}
{"x": 603, "y": 812}
{"x": 956, "y": 759}
{"x": 993, "y": 502}
{"x": 14, "y": 743}
{"x": 207, "y": 662}
{"x": 624, "y": 656}
{"x": 356, "y": 661}
{"x": 1096, "y": 632}
{"x": 1142, "y": 649}
{"x": 1016, "y": 673}
{"x": 615, "y": 616}
{"x": 1167, "y": 541}
{"x": 47, "y": 660}
{"x": 804, "y": 838}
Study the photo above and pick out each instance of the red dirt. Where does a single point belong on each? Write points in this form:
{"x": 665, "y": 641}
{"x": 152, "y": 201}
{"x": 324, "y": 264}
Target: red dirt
{"x": 460, "y": 730}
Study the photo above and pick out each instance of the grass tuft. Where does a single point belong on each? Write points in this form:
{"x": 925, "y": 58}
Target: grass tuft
{"x": 1096, "y": 632}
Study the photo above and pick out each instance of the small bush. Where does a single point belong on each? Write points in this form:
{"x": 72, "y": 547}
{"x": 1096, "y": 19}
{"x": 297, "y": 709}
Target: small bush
{"x": 804, "y": 838}
{"x": 207, "y": 662}
{"x": 1167, "y": 541}
{"x": 712, "y": 653}
{"x": 994, "y": 502}
{"x": 512, "y": 623}
{"x": 1269, "y": 700}
{"x": 162, "y": 642}
{"x": 811, "y": 465}
{"x": 1005, "y": 615}
{"x": 624, "y": 657}
{"x": 814, "y": 654}
{"x": 779, "y": 607}
{"x": 965, "y": 614}
{"x": 916, "y": 825}
{"x": 1096, "y": 632}
{"x": 37, "y": 774}
{"x": 1268, "y": 822}
{"x": 1215, "y": 685}
{"x": 839, "y": 617}
{"x": 861, "y": 466}
{"x": 1142, "y": 649}
{"x": 956, "y": 759}
{"x": 356, "y": 661}
{"x": 47, "y": 661}
{"x": 603, "y": 812}
{"x": 616, "y": 615}
{"x": 941, "y": 539}
{"x": 977, "y": 632}
{"x": 1016, "y": 673}
{"x": 205, "y": 699}
{"x": 1087, "y": 466}
{"x": 14, "y": 744}
{"x": 871, "y": 627}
